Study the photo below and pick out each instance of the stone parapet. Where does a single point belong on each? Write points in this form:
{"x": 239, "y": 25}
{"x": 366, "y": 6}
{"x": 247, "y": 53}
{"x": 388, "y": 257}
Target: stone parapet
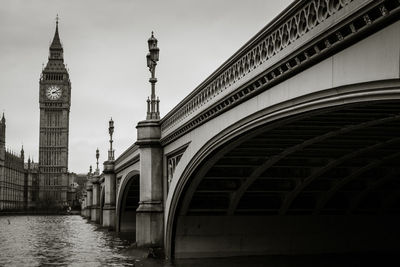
{"x": 302, "y": 35}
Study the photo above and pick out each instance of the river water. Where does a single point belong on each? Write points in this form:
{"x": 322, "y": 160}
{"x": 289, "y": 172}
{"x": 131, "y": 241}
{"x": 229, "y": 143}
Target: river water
{"x": 73, "y": 241}
{"x": 62, "y": 241}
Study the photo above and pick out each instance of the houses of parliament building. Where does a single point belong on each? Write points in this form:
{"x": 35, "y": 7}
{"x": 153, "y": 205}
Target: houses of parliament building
{"x": 29, "y": 185}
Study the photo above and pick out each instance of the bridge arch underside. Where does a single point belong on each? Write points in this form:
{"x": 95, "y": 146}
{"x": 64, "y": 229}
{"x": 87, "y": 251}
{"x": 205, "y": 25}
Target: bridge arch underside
{"x": 327, "y": 181}
{"x": 127, "y": 207}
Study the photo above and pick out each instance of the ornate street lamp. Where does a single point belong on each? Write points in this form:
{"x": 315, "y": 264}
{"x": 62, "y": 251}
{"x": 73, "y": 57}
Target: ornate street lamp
{"x": 111, "y": 131}
{"x": 97, "y": 161}
{"x": 153, "y": 104}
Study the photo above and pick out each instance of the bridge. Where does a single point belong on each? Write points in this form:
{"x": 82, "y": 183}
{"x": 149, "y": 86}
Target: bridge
{"x": 292, "y": 146}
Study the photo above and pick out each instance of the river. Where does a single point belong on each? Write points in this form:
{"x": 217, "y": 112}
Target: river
{"x": 62, "y": 241}
{"x": 73, "y": 241}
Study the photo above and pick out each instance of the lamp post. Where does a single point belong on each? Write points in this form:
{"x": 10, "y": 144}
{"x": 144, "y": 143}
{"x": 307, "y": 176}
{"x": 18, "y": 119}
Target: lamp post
{"x": 153, "y": 109}
{"x": 109, "y": 184}
{"x": 149, "y": 214}
{"x": 111, "y": 131}
{"x": 97, "y": 161}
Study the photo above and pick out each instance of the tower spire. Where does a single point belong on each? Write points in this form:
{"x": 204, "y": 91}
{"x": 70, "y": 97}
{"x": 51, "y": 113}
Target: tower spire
{"x": 56, "y": 50}
{"x": 22, "y": 154}
{"x": 3, "y": 130}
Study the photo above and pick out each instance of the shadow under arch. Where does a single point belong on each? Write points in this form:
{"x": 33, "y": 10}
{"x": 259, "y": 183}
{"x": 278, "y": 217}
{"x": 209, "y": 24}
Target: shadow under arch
{"x": 181, "y": 200}
{"x": 127, "y": 203}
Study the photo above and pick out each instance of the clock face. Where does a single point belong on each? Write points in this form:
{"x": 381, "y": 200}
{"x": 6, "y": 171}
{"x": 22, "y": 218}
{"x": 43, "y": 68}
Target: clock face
{"x": 53, "y": 92}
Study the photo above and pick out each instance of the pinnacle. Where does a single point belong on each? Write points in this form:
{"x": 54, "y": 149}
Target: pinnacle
{"x": 56, "y": 44}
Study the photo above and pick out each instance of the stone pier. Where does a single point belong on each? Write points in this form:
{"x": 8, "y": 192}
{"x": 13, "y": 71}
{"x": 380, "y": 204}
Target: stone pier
{"x": 149, "y": 215}
{"x": 95, "y": 210}
{"x": 89, "y": 199}
{"x": 109, "y": 198}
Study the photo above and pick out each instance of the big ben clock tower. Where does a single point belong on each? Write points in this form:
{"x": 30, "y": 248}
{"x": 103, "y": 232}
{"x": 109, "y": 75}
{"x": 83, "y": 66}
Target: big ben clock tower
{"x": 55, "y": 102}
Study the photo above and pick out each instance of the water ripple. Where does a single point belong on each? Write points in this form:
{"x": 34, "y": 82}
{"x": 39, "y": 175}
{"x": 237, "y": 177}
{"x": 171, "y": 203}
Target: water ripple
{"x": 59, "y": 241}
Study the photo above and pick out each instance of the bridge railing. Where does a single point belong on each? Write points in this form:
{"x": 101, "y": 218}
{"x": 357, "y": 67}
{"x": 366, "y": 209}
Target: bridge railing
{"x": 290, "y": 25}
{"x": 276, "y": 49}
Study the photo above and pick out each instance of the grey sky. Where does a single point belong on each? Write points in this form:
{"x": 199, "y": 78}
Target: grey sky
{"x": 105, "y": 44}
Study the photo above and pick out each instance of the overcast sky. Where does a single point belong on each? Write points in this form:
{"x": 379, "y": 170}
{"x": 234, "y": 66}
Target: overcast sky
{"x": 105, "y": 45}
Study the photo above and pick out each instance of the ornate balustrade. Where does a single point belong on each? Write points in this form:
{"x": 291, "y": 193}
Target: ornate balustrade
{"x": 302, "y": 35}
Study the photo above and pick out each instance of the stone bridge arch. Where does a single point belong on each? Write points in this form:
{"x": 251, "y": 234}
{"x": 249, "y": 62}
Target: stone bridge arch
{"x": 312, "y": 169}
{"x": 127, "y": 203}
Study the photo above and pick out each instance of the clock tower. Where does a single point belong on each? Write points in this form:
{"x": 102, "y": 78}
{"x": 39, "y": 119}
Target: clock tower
{"x": 55, "y": 102}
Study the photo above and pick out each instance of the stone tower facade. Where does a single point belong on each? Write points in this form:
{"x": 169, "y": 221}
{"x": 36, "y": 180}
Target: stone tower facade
{"x": 2, "y": 161}
{"x": 55, "y": 102}
{"x": 12, "y": 182}
{"x": 2, "y": 140}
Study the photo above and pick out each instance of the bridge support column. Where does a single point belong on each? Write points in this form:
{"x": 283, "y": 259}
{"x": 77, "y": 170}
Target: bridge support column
{"x": 149, "y": 215}
{"x": 83, "y": 207}
{"x": 89, "y": 199}
{"x": 109, "y": 197}
{"x": 95, "y": 211}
